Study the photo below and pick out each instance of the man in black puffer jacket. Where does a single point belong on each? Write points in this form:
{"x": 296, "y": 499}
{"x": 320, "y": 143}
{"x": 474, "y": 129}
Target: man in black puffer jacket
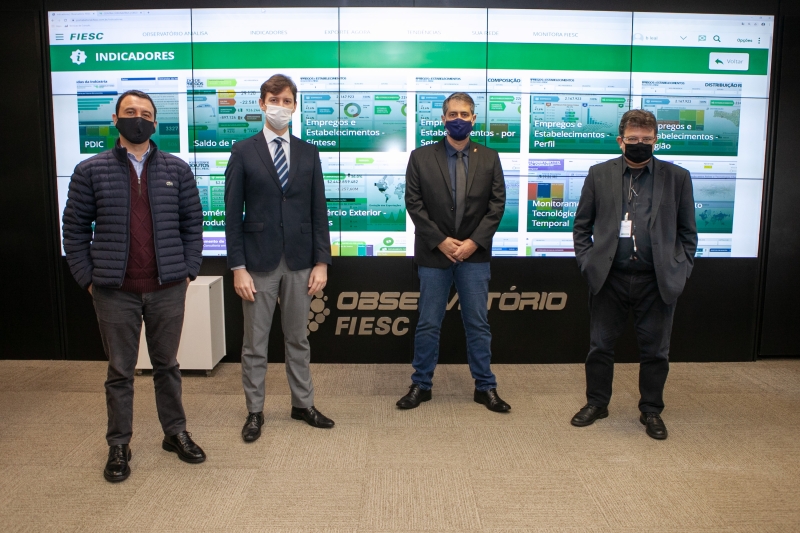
{"x": 146, "y": 247}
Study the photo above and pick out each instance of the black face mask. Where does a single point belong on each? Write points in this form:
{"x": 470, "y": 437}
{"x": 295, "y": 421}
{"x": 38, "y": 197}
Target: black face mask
{"x": 638, "y": 153}
{"x": 136, "y": 129}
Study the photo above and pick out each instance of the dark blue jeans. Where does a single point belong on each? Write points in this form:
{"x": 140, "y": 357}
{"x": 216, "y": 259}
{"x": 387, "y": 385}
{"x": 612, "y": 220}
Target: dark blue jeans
{"x": 622, "y": 293}
{"x": 472, "y": 286}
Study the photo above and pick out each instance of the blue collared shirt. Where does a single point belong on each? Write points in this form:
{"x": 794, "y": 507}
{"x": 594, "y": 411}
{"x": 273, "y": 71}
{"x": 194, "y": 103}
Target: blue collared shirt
{"x": 452, "y": 159}
{"x": 138, "y": 165}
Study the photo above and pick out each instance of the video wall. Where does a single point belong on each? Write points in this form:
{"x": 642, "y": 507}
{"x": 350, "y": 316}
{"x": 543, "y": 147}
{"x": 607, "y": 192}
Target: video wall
{"x": 549, "y": 88}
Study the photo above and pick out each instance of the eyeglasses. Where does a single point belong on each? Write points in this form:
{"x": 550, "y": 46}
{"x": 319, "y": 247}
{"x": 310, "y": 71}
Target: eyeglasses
{"x": 637, "y": 140}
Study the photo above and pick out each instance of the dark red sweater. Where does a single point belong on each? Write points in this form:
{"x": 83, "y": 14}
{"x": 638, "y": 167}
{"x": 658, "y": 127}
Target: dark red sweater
{"x": 141, "y": 274}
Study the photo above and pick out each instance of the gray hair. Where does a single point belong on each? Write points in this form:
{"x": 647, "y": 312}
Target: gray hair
{"x": 460, "y": 97}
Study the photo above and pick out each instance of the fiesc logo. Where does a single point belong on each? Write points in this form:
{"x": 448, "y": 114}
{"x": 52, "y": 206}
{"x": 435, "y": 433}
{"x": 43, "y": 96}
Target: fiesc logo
{"x": 408, "y": 301}
{"x": 85, "y": 36}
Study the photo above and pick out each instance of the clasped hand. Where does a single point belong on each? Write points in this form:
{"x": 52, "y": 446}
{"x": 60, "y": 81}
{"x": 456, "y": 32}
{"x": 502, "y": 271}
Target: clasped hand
{"x": 456, "y": 250}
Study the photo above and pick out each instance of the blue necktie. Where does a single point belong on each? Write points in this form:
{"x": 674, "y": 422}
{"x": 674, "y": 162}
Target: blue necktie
{"x": 281, "y": 165}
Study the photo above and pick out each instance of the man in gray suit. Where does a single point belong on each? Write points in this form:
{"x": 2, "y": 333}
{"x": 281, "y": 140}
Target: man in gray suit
{"x": 456, "y": 196}
{"x": 635, "y": 237}
{"x": 276, "y": 226}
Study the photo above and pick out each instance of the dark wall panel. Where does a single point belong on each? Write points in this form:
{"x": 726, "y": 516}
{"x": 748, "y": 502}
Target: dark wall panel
{"x": 780, "y": 327}
{"x": 364, "y": 320}
{"x": 80, "y": 321}
{"x": 30, "y": 325}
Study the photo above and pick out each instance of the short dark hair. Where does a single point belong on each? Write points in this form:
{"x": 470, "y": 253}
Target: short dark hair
{"x": 276, "y": 84}
{"x": 638, "y": 118}
{"x": 461, "y": 97}
{"x": 138, "y": 94}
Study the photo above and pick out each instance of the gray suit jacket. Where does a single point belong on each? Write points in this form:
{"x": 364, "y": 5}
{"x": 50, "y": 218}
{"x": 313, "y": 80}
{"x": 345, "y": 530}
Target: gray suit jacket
{"x": 673, "y": 230}
{"x": 261, "y": 221}
{"x": 429, "y": 200}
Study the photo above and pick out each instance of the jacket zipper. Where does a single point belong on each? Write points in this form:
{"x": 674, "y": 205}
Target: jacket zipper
{"x": 128, "y": 228}
{"x": 152, "y": 215}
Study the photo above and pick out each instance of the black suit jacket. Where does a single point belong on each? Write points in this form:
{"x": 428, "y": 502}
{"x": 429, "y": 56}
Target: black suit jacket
{"x": 294, "y": 223}
{"x": 429, "y": 201}
{"x": 673, "y": 230}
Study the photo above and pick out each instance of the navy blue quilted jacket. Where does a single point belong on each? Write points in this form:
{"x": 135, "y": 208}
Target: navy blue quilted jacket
{"x": 99, "y": 192}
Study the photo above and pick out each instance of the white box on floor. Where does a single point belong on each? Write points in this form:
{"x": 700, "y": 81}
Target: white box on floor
{"x": 203, "y": 337}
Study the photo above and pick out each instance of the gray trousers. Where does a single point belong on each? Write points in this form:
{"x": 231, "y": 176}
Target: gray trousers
{"x": 292, "y": 288}
{"x": 120, "y": 314}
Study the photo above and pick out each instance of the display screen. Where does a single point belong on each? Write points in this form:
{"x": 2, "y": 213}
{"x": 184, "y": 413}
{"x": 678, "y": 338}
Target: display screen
{"x": 549, "y": 87}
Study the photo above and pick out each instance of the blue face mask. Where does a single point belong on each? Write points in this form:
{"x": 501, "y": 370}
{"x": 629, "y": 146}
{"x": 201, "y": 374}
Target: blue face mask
{"x": 458, "y": 129}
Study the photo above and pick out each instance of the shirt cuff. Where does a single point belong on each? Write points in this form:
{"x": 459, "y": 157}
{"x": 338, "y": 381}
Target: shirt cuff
{"x": 238, "y": 267}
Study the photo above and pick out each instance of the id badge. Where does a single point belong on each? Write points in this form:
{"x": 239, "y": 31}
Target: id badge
{"x": 625, "y": 228}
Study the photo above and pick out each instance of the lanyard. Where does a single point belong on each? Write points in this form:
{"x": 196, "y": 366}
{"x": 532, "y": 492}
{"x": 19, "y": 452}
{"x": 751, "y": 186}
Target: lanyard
{"x": 632, "y": 195}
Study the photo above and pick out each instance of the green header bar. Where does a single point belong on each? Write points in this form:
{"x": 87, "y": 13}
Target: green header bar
{"x": 394, "y": 54}
{"x": 390, "y": 54}
{"x": 548, "y": 56}
{"x": 688, "y": 60}
{"x": 282, "y": 54}
{"x": 100, "y": 57}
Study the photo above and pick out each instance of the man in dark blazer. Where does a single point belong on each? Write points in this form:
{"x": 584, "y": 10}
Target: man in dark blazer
{"x": 455, "y": 195}
{"x": 276, "y": 227}
{"x": 635, "y": 238}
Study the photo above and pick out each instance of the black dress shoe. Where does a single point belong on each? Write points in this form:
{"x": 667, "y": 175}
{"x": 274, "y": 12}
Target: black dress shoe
{"x": 414, "y": 397}
{"x": 653, "y": 425}
{"x": 184, "y": 446}
{"x": 312, "y": 417}
{"x": 252, "y": 427}
{"x": 588, "y": 414}
{"x": 491, "y": 400}
{"x": 117, "y": 468}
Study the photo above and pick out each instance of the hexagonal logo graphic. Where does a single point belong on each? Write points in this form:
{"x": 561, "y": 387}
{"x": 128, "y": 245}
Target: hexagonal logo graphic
{"x": 317, "y": 313}
{"x": 78, "y": 57}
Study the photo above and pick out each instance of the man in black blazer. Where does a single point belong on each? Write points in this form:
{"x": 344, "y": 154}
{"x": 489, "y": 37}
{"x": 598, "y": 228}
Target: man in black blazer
{"x": 455, "y": 195}
{"x": 276, "y": 226}
{"x": 635, "y": 238}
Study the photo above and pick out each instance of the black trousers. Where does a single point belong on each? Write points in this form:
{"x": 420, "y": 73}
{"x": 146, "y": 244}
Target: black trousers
{"x": 624, "y": 292}
{"x": 120, "y": 315}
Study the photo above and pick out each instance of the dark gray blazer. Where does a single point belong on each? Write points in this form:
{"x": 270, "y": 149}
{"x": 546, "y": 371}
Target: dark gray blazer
{"x": 294, "y": 223}
{"x": 429, "y": 200}
{"x": 673, "y": 230}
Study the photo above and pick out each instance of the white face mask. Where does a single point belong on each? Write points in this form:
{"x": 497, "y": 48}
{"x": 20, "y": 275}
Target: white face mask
{"x": 278, "y": 116}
